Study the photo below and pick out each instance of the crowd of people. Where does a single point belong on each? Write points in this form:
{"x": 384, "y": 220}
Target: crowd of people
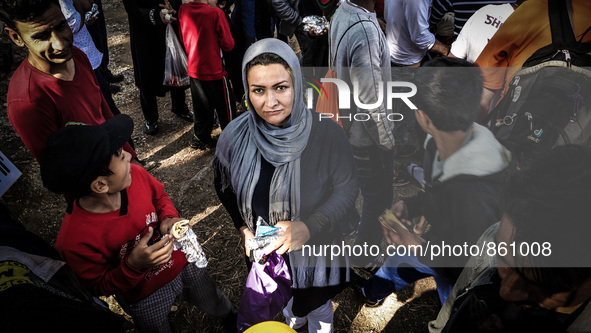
{"x": 283, "y": 170}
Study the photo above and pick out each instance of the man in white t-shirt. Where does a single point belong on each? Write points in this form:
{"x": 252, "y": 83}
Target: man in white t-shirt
{"x": 479, "y": 30}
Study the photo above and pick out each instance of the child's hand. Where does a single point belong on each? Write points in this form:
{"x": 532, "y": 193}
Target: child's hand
{"x": 144, "y": 256}
{"x": 166, "y": 12}
{"x": 167, "y": 223}
{"x": 313, "y": 32}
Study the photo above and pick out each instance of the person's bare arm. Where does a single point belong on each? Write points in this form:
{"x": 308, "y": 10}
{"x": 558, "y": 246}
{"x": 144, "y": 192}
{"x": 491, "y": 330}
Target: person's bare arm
{"x": 485, "y": 99}
{"x": 83, "y": 7}
{"x": 440, "y": 47}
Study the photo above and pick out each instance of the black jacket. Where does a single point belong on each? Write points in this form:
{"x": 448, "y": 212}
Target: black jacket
{"x": 148, "y": 43}
{"x": 462, "y": 205}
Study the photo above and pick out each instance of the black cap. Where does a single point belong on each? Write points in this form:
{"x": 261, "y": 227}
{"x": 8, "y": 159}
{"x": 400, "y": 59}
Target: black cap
{"x": 73, "y": 156}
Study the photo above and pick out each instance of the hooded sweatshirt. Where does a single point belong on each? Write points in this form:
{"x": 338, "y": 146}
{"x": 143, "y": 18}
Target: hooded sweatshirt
{"x": 463, "y": 200}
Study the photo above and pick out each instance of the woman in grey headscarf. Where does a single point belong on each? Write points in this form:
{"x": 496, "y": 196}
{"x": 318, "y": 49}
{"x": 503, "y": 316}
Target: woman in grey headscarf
{"x": 280, "y": 162}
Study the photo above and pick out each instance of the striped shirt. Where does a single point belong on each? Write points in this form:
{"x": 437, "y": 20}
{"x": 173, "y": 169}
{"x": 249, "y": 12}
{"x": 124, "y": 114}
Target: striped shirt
{"x": 462, "y": 10}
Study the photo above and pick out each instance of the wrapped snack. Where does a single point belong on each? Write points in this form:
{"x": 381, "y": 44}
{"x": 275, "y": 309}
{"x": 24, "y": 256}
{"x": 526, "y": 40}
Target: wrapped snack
{"x": 94, "y": 12}
{"x": 265, "y": 236}
{"x": 318, "y": 23}
{"x": 186, "y": 240}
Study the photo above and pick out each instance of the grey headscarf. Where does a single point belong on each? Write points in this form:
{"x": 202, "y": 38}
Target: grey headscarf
{"x": 248, "y": 137}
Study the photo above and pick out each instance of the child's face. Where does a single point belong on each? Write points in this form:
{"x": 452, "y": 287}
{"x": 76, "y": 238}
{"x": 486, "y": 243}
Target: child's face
{"x": 121, "y": 167}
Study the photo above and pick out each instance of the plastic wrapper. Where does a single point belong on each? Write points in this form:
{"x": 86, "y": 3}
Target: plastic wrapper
{"x": 267, "y": 291}
{"x": 94, "y": 12}
{"x": 318, "y": 23}
{"x": 175, "y": 62}
{"x": 190, "y": 246}
{"x": 265, "y": 236}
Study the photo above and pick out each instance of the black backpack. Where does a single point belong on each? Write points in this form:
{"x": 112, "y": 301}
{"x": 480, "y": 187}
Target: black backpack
{"x": 548, "y": 102}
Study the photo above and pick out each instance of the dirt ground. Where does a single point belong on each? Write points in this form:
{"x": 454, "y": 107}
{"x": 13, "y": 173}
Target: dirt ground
{"x": 188, "y": 177}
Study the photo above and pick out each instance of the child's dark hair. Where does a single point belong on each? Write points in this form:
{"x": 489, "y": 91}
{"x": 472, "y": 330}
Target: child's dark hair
{"x": 84, "y": 189}
{"x": 23, "y": 10}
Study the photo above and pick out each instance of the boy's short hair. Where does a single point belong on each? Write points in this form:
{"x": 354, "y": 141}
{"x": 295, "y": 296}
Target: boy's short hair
{"x": 12, "y": 11}
{"x": 448, "y": 91}
{"x": 74, "y": 156}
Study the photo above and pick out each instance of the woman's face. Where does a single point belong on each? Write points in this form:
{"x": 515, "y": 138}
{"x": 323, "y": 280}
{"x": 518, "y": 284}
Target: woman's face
{"x": 270, "y": 92}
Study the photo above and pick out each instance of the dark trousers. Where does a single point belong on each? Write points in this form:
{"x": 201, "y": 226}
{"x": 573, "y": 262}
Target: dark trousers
{"x": 98, "y": 32}
{"x": 210, "y": 96}
{"x": 106, "y": 90}
{"x": 374, "y": 171}
{"x": 314, "y": 49}
{"x": 193, "y": 284}
{"x": 149, "y": 102}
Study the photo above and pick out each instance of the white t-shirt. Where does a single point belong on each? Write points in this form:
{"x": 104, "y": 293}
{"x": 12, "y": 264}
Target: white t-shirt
{"x": 82, "y": 38}
{"x": 479, "y": 30}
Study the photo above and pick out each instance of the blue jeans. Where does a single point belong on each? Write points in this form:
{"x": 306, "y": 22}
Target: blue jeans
{"x": 373, "y": 167}
{"x": 397, "y": 273}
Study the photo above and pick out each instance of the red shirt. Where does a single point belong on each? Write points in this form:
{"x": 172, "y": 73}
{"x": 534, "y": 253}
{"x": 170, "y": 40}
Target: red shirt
{"x": 96, "y": 246}
{"x": 39, "y": 104}
{"x": 204, "y": 30}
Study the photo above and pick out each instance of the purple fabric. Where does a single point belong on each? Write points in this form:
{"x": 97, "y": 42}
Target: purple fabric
{"x": 268, "y": 289}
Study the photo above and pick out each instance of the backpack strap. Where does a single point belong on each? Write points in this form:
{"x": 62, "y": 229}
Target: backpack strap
{"x": 583, "y": 35}
{"x": 560, "y": 14}
{"x": 331, "y": 60}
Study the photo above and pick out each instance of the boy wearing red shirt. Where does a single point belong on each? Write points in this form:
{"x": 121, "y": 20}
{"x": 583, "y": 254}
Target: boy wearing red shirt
{"x": 115, "y": 232}
{"x": 204, "y": 31}
{"x": 55, "y": 84}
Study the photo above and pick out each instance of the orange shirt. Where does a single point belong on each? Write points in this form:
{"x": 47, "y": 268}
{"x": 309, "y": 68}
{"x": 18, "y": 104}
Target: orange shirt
{"x": 522, "y": 34}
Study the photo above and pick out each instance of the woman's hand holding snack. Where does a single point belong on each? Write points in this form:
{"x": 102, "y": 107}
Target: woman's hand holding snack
{"x": 246, "y": 234}
{"x": 296, "y": 234}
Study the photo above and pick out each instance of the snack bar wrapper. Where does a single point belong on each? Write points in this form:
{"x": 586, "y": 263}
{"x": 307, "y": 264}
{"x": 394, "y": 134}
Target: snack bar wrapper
{"x": 265, "y": 236}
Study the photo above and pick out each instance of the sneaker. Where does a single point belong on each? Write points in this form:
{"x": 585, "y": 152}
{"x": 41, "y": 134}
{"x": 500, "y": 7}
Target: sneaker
{"x": 406, "y": 151}
{"x": 149, "y": 166}
{"x": 374, "y": 304}
{"x": 114, "y": 78}
{"x": 151, "y": 128}
{"x": 198, "y": 144}
{"x": 230, "y": 321}
{"x": 114, "y": 88}
{"x": 367, "y": 266}
{"x": 357, "y": 283}
{"x": 398, "y": 179}
{"x": 184, "y": 113}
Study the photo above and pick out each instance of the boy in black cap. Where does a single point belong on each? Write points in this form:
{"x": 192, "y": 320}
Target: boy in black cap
{"x": 115, "y": 232}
